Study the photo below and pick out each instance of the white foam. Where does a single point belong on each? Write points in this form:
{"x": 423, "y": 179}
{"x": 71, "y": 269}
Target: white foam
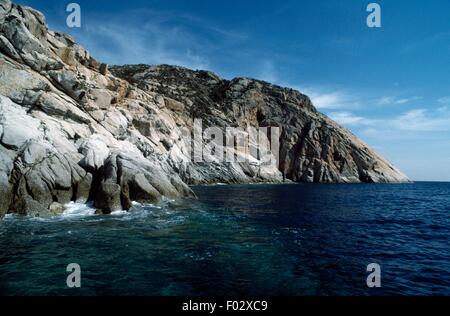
{"x": 9, "y": 216}
{"x": 73, "y": 209}
{"x": 119, "y": 213}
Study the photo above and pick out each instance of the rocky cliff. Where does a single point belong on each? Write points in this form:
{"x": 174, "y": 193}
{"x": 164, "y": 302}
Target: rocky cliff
{"x": 74, "y": 129}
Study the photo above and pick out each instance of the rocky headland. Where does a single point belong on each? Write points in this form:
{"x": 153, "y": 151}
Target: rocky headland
{"x": 74, "y": 129}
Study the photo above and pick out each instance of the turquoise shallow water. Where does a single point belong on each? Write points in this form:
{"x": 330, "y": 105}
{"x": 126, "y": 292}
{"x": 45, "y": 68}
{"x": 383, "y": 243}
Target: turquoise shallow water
{"x": 296, "y": 239}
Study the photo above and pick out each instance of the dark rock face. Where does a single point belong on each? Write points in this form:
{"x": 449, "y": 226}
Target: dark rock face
{"x": 313, "y": 148}
{"x": 108, "y": 197}
{"x": 6, "y": 166}
{"x": 74, "y": 129}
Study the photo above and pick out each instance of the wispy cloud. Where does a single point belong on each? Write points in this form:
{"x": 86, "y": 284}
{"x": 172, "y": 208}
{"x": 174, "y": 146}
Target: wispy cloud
{"x": 444, "y": 100}
{"x": 336, "y": 99}
{"x": 393, "y": 100}
{"x": 273, "y": 14}
{"x": 328, "y": 100}
{"x": 418, "y": 44}
{"x": 152, "y": 47}
{"x": 267, "y": 72}
{"x": 155, "y": 37}
{"x": 417, "y": 120}
{"x": 423, "y": 120}
{"x": 137, "y": 46}
{"x": 348, "y": 118}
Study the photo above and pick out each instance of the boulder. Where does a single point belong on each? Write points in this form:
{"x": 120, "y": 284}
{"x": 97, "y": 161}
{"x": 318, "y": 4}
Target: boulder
{"x": 140, "y": 190}
{"x": 17, "y": 126}
{"x": 56, "y": 208}
{"x": 127, "y": 177}
{"x": 69, "y": 82}
{"x": 45, "y": 176}
{"x": 95, "y": 153}
{"x": 101, "y": 97}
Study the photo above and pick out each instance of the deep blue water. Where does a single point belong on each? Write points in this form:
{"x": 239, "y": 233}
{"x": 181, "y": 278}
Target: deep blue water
{"x": 297, "y": 239}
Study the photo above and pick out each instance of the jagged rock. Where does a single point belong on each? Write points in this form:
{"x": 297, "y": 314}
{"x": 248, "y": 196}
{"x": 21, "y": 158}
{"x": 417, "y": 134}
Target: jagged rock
{"x": 15, "y": 30}
{"x": 103, "y": 69}
{"x": 5, "y": 6}
{"x": 8, "y": 49}
{"x": 73, "y": 129}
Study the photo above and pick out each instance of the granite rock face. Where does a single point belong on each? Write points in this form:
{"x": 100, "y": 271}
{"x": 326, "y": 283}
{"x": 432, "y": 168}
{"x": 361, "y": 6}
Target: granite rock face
{"x": 74, "y": 129}
{"x": 313, "y": 148}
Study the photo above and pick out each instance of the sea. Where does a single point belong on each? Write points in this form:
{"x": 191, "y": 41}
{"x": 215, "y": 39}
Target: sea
{"x": 260, "y": 239}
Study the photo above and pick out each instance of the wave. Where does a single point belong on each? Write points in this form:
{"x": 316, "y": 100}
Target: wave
{"x": 73, "y": 209}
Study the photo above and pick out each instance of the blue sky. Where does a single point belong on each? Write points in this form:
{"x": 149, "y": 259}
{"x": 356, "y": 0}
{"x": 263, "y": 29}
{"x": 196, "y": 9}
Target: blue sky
{"x": 390, "y": 85}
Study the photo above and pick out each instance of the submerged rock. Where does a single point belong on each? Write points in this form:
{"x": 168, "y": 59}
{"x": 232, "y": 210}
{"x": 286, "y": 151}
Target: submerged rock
{"x": 74, "y": 129}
